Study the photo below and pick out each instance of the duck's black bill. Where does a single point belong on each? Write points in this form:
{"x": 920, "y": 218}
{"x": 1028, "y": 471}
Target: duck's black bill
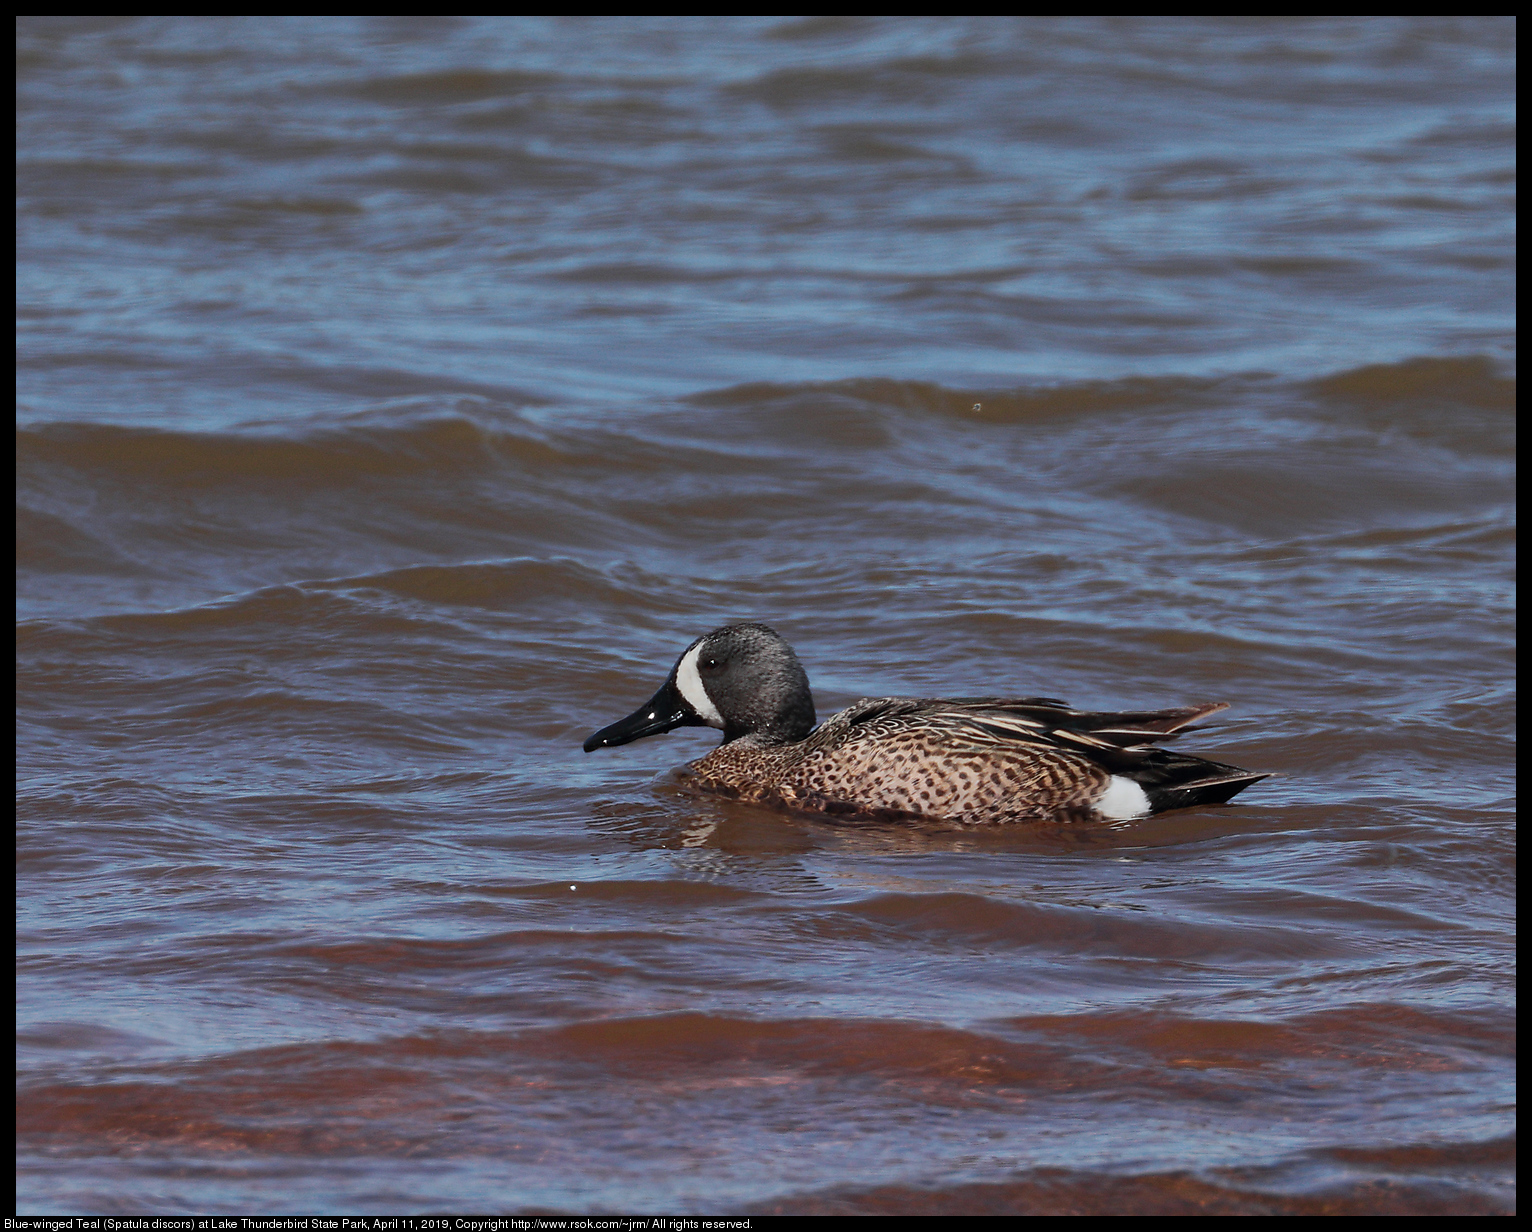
{"x": 663, "y": 712}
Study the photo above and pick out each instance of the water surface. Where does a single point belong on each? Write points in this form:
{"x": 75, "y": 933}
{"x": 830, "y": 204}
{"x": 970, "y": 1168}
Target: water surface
{"x": 399, "y": 396}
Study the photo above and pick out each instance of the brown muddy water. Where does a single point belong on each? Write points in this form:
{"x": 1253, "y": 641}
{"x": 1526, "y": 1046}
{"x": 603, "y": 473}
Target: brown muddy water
{"x": 399, "y": 396}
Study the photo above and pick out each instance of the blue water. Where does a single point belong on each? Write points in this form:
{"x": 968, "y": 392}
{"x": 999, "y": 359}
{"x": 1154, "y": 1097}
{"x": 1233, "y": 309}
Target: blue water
{"x": 397, "y": 397}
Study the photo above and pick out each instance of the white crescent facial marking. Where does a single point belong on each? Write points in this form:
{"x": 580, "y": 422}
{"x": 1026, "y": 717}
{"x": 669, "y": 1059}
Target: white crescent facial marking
{"x": 690, "y": 684}
{"x": 1123, "y": 800}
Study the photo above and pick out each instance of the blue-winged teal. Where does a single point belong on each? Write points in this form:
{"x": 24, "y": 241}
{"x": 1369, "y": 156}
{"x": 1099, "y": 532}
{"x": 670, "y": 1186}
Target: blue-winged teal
{"x": 971, "y": 760}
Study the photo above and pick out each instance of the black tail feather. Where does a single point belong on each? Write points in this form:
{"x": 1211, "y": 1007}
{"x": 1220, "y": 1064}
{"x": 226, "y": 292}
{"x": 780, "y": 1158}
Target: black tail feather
{"x": 1213, "y": 789}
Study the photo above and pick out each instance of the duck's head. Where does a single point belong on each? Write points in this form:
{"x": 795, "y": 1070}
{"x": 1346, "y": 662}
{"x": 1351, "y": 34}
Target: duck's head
{"x": 742, "y": 679}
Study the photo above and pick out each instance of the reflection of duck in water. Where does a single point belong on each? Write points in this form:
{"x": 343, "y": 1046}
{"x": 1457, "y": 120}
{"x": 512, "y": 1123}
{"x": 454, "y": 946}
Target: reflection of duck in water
{"x": 971, "y": 760}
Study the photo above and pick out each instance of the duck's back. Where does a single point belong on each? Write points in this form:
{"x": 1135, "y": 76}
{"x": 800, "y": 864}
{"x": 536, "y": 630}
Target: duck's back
{"x": 976, "y": 761}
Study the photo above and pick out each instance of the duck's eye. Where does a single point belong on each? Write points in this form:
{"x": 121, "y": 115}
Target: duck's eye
{"x": 709, "y": 663}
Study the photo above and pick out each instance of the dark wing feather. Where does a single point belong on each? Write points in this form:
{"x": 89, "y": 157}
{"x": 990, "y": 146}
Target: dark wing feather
{"x": 1034, "y": 722}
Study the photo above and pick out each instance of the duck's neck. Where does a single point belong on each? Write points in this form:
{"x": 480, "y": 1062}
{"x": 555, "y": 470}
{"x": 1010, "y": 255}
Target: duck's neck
{"x": 789, "y": 727}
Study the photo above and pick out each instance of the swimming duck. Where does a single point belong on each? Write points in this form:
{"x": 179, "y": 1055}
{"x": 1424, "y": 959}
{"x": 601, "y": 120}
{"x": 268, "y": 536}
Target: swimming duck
{"x": 969, "y": 760}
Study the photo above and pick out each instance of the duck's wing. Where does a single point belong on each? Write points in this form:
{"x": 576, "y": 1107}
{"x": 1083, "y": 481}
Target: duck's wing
{"x": 1035, "y": 720}
{"x": 1040, "y": 721}
{"x": 1119, "y": 741}
{"x": 1123, "y": 741}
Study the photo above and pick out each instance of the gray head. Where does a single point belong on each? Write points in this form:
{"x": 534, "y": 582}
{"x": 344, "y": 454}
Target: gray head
{"x": 742, "y": 679}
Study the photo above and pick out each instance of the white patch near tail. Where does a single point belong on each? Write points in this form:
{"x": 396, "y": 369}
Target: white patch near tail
{"x": 1123, "y": 800}
{"x": 690, "y": 684}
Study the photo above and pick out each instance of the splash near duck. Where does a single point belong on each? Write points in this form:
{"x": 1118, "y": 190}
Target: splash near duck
{"x": 974, "y": 761}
